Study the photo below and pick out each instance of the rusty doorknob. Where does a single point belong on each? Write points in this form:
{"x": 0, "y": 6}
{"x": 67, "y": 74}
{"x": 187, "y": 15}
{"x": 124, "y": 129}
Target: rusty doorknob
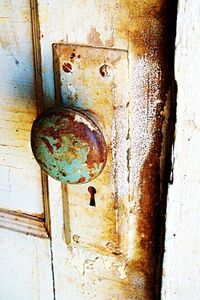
{"x": 68, "y": 145}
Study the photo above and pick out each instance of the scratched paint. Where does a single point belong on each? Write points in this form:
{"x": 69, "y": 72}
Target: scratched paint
{"x": 68, "y": 145}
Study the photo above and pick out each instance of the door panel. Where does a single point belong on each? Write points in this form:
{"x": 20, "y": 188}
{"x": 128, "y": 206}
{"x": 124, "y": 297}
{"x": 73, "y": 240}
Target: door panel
{"x": 26, "y": 271}
{"x": 25, "y": 267}
{"x": 20, "y": 185}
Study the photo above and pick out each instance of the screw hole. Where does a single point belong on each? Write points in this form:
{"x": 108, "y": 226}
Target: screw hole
{"x": 92, "y": 192}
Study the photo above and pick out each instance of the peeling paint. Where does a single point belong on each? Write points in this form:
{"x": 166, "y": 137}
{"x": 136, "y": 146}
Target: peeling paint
{"x": 94, "y": 38}
{"x": 80, "y": 119}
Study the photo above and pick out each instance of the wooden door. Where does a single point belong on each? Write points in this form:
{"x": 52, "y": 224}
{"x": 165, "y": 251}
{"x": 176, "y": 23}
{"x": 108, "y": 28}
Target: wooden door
{"x": 110, "y": 251}
{"x": 181, "y": 260}
{"x": 143, "y": 30}
{"x": 25, "y": 252}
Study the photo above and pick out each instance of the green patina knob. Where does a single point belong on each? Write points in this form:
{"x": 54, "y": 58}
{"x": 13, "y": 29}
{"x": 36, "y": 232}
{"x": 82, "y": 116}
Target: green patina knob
{"x": 68, "y": 145}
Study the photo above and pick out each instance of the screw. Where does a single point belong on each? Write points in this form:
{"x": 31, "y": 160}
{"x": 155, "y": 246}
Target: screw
{"x": 106, "y": 71}
{"x": 67, "y": 67}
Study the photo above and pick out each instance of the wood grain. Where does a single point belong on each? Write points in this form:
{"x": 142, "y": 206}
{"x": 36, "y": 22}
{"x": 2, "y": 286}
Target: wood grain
{"x": 26, "y": 269}
{"x": 20, "y": 184}
{"x": 142, "y": 29}
{"x": 181, "y": 261}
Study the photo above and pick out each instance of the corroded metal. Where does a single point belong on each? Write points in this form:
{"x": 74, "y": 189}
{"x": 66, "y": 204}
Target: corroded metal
{"x": 68, "y": 145}
{"x": 95, "y": 79}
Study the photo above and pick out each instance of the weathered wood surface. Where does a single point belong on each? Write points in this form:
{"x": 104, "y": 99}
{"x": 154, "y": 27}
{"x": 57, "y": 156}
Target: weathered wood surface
{"x": 25, "y": 267}
{"x": 20, "y": 184}
{"x": 181, "y": 268}
{"x": 26, "y": 271}
{"x": 142, "y": 29}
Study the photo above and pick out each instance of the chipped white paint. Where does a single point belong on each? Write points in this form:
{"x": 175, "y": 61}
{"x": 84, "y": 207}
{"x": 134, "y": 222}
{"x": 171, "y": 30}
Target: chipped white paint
{"x": 80, "y": 119}
{"x": 20, "y": 184}
{"x": 79, "y": 273}
{"x": 181, "y": 269}
{"x": 86, "y": 273}
{"x": 83, "y": 273}
{"x": 22, "y": 223}
{"x": 25, "y": 271}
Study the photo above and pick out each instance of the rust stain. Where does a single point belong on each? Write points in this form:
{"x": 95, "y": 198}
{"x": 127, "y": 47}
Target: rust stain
{"x": 72, "y": 57}
{"x": 82, "y": 179}
{"x": 49, "y": 146}
{"x": 57, "y": 145}
{"x": 150, "y": 29}
{"x": 76, "y": 238}
{"x": 147, "y": 26}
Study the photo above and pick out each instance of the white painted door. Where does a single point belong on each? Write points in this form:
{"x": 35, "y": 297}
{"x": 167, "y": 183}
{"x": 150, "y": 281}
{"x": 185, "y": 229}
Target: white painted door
{"x": 127, "y": 270}
{"x": 26, "y": 271}
{"x": 181, "y": 268}
{"x": 109, "y": 251}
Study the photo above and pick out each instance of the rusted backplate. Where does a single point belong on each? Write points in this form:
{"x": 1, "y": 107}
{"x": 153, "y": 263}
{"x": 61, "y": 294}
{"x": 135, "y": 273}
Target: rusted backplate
{"x": 68, "y": 145}
{"x": 95, "y": 80}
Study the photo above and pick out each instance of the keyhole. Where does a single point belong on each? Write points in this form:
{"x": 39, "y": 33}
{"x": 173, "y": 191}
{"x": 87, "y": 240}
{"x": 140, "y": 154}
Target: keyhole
{"x": 92, "y": 192}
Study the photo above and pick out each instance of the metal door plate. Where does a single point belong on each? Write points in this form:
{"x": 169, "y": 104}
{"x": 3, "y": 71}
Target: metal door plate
{"x": 95, "y": 80}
